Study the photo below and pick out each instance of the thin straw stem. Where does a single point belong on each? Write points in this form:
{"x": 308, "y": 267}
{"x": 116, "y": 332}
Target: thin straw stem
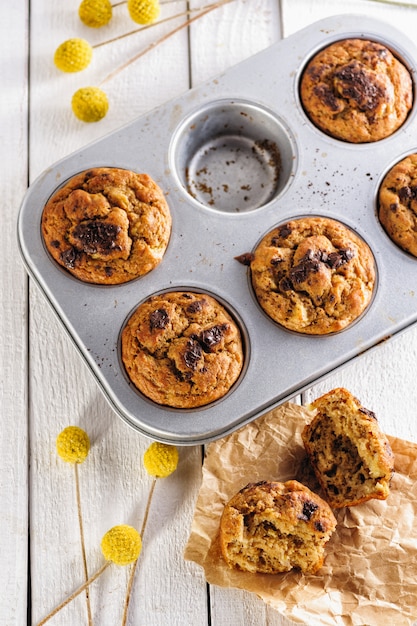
{"x": 133, "y": 569}
{"x": 80, "y": 522}
{"x": 175, "y": 30}
{"x": 145, "y": 27}
{"x": 75, "y": 593}
{"x": 409, "y": 5}
{"x": 148, "y": 506}
{"x": 118, "y": 4}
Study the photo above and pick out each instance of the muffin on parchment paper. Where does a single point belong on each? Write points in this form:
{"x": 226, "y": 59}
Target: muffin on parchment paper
{"x": 350, "y": 455}
{"x": 273, "y": 527}
{"x": 313, "y": 275}
{"x": 356, "y": 90}
{"x": 182, "y": 349}
{"x": 397, "y": 204}
{"x": 107, "y": 225}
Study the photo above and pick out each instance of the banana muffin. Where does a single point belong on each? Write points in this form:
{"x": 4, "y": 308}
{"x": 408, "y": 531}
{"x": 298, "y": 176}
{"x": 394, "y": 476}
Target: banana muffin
{"x": 182, "y": 349}
{"x": 397, "y": 204}
{"x": 313, "y": 275}
{"x": 273, "y": 527}
{"x": 357, "y": 91}
{"x": 350, "y": 455}
{"x": 107, "y": 225}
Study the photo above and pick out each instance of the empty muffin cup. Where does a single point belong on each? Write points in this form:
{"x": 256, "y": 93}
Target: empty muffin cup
{"x": 233, "y": 156}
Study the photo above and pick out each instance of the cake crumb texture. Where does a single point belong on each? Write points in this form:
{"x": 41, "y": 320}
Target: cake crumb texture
{"x": 350, "y": 455}
{"x": 273, "y": 527}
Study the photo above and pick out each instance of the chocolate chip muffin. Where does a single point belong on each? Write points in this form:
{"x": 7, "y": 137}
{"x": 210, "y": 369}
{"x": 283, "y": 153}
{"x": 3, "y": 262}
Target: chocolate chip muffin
{"x": 350, "y": 455}
{"x": 182, "y": 349}
{"x": 273, "y": 527}
{"x": 356, "y": 90}
{"x": 397, "y": 204}
{"x": 107, "y": 225}
{"x": 313, "y": 275}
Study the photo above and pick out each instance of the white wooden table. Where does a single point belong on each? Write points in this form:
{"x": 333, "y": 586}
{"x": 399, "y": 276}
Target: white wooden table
{"x": 44, "y": 384}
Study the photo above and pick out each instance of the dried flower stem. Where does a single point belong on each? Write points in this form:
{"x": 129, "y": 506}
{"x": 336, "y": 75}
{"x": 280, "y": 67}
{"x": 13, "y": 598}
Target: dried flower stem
{"x": 409, "y": 5}
{"x": 139, "y": 30}
{"x": 118, "y": 4}
{"x": 80, "y": 522}
{"x": 133, "y": 569}
{"x": 175, "y": 30}
{"x": 75, "y": 593}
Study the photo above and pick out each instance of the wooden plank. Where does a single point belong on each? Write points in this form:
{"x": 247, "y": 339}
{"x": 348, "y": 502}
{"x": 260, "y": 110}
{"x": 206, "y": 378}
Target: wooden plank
{"x": 384, "y": 378}
{"x": 114, "y": 485}
{"x": 13, "y": 287}
{"x": 300, "y": 13}
{"x": 245, "y": 29}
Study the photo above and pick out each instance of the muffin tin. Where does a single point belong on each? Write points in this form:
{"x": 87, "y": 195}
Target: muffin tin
{"x": 235, "y": 157}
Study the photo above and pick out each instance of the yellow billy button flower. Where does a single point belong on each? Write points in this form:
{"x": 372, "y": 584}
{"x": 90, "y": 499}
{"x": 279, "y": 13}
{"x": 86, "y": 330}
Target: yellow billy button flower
{"x": 121, "y": 545}
{"x": 73, "y": 444}
{"x": 160, "y": 459}
{"x": 143, "y": 11}
{"x": 73, "y": 55}
{"x": 95, "y": 13}
{"x": 89, "y": 104}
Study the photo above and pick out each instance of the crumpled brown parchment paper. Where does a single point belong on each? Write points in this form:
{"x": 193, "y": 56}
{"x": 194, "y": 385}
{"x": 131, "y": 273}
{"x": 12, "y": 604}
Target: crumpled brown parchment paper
{"x": 369, "y": 575}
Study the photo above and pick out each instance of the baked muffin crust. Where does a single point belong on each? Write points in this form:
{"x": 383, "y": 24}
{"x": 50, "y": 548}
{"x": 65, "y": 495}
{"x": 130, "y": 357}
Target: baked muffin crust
{"x": 350, "y": 455}
{"x": 182, "y": 349}
{"x": 313, "y": 275}
{"x": 356, "y": 90}
{"x": 273, "y": 527}
{"x": 397, "y": 204}
{"x": 107, "y": 225}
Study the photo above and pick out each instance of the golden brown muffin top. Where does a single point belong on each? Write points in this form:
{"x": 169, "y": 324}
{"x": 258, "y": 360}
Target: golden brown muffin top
{"x": 356, "y": 90}
{"x": 107, "y": 225}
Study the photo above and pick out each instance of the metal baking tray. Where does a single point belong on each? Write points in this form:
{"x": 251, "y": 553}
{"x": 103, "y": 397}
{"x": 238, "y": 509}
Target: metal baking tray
{"x": 211, "y": 151}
